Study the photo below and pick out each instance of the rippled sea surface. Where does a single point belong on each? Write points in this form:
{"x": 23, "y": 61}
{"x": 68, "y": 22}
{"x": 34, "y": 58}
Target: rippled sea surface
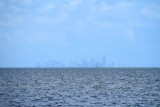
{"x": 80, "y": 87}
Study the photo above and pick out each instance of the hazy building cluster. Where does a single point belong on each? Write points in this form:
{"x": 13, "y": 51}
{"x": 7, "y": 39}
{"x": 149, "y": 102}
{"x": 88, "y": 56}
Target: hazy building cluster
{"x": 83, "y": 63}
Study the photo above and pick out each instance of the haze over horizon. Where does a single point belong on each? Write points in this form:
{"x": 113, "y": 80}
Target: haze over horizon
{"x": 125, "y": 32}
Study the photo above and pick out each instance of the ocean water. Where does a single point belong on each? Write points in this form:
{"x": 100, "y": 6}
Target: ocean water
{"x": 80, "y": 87}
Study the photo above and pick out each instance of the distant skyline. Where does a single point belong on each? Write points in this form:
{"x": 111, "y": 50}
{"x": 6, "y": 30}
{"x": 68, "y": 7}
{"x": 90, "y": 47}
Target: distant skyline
{"x": 125, "y": 32}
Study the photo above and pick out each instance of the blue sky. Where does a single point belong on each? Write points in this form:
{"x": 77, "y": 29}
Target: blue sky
{"x": 125, "y": 32}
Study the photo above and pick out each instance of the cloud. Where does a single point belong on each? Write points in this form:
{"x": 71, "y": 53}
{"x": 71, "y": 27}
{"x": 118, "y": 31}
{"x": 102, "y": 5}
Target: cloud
{"x": 49, "y": 6}
{"x": 25, "y": 2}
{"x": 1, "y": 5}
{"x": 104, "y": 24}
{"x": 73, "y": 3}
{"x": 16, "y": 20}
{"x": 3, "y": 23}
{"x": 17, "y": 9}
{"x": 106, "y": 7}
{"x": 36, "y": 38}
{"x": 52, "y": 21}
{"x": 47, "y": 38}
{"x": 72, "y": 15}
{"x": 151, "y": 11}
{"x": 46, "y": 8}
{"x": 130, "y": 33}
{"x": 124, "y": 4}
{"x": 9, "y": 38}
{"x": 100, "y": 8}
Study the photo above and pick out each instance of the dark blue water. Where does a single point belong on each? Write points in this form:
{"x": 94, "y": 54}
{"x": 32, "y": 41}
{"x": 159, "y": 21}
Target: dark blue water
{"x": 79, "y": 87}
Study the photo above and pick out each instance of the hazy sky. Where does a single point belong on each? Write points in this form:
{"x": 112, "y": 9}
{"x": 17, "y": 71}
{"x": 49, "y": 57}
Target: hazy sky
{"x": 126, "y": 32}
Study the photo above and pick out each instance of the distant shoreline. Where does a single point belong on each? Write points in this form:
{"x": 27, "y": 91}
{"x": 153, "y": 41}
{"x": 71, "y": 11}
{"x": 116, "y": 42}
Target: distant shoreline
{"x": 76, "y": 67}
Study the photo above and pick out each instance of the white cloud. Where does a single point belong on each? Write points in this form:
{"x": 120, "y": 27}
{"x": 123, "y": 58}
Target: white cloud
{"x": 152, "y": 11}
{"x": 139, "y": 23}
{"x": 46, "y": 8}
{"x": 43, "y": 37}
{"x": 17, "y": 9}
{"x": 124, "y": 4}
{"x": 1, "y": 5}
{"x": 47, "y": 38}
{"x": 4, "y": 23}
{"x": 105, "y": 24}
{"x": 106, "y": 7}
{"x": 130, "y": 33}
{"x": 100, "y": 8}
{"x": 62, "y": 15}
{"x": 72, "y": 5}
{"x": 50, "y": 6}
{"x": 15, "y": 19}
{"x": 25, "y": 2}
{"x": 9, "y": 37}
{"x": 52, "y": 21}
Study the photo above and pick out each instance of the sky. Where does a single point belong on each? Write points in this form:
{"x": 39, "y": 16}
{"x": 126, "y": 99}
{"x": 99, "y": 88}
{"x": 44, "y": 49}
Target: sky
{"x": 125, "y": 32}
